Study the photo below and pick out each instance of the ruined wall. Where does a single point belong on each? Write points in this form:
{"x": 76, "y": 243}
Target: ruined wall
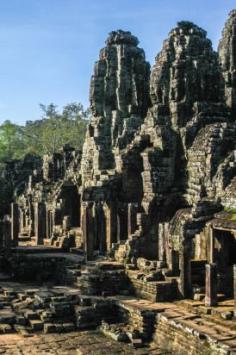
{"x": 42, "y": 210}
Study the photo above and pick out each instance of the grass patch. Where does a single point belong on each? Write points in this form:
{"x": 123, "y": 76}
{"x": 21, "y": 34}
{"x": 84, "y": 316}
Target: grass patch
{"x": 231, "y": 211}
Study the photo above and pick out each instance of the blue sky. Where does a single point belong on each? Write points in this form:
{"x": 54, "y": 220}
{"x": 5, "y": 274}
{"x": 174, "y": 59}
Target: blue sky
{"x": 48, "y": 47}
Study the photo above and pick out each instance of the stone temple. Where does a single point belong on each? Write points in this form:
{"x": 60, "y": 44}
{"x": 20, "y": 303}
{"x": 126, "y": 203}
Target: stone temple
{"x": 135, "y": 236}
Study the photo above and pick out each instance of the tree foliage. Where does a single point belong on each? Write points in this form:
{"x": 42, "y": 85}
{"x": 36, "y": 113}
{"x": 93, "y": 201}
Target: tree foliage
{"x": 46, "y": 135}
{"x": 11, "y": 141}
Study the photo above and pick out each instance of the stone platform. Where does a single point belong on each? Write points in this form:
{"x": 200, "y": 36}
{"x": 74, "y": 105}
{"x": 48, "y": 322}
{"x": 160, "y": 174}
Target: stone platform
{"x": 82, "y": 343}
{"x": 39, "y": 264}
{"x": 49, "y": 316}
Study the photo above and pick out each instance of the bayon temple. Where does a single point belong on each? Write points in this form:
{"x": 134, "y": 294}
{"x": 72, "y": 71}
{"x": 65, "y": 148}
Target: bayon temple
{"x": 145, "y": 215}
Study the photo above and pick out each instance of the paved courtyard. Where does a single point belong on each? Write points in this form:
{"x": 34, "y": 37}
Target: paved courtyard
{"x": 79, "y": 343}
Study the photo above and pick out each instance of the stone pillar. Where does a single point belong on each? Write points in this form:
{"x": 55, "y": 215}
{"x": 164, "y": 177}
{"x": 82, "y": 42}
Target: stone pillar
{"x": 2, "y": 234}
{"x": 31, "y": 218}
{"x": 212, "y": 246}
{"x": 185, "y": 273}
{"x": 132, "y": 218}
{"x": 235, "y": 289}
{"x": 48, "y": 234}
{"x": 162, "y": 244}
{"x": 36, "y": 220}
{"x": 111, "y": 224}
{"x": 51, "y": 223}
{"x": 6, "y": 232}
{"x": 88, "y": 229}
{"x": 40, "y": 222}
{"x": 100, "y": 227}
{"x": 66, "y": 223}
{"x": 211, "y": 285}
{"x": 21, "y": 218}
{"x": 15, "y": 223}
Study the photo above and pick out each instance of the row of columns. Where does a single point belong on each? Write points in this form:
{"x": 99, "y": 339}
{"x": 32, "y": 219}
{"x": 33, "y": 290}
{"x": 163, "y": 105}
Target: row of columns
{"x": 39, "y": 220}
{"x": 211, "y": 285}
{"x": 211, "y": 279}
{"x": 40, "y": 227}
{"x": 211, "y": 276}
{"x": 101, "y": 224}
{"x": 98, "y": 222}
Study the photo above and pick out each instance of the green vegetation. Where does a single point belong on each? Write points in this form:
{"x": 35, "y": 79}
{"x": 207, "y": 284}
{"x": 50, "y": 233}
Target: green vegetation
{"x": 232, "y": 212}
{"x": 230, "y": 209}
{"x": 46, "y": 135}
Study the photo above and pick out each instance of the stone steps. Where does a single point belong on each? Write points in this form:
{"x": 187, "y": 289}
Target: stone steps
{"x": 30, "y": 310}
{"x": 103, "y": 278}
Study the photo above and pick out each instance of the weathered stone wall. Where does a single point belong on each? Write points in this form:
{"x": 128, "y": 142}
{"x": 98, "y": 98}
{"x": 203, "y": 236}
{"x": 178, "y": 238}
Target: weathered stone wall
{"x": 119, "y": 96}
{"x": 174, "y": 336}
{"x": 227, "y": 54}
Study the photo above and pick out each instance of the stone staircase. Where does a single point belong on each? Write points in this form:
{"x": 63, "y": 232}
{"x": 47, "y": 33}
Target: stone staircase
{"x": 26, "y": 311}
{"x": 103, "y": 278}
{"x": 25, "y": 240}
{"x": 122, "y": 251}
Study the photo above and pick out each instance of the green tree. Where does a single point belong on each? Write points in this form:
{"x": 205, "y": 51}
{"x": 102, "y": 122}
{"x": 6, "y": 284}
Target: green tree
{"x": 56, "y": 128}
{"x": 11, "y": 141}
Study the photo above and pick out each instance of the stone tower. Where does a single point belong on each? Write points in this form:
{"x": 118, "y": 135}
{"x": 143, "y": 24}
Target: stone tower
{"x": 227, "y": 54}
{"x": 119, "y": 97}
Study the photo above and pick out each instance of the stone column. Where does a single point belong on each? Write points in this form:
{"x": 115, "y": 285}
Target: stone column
{"x": 51, "y": 222}
{"x": 118, "y": 228}
{"x": 211, "y": 285}
{"x": 212, "y": 245}
{"x": 36, "y": 220}
{"x": 48, "y": 234}
{"x": 163, "y": 245}
{"x": 66, "y": 223}
{"x": 31, "y": 218}
{"x": 185, "y": 273}
{"x": 100, "y": 227}
{"x": 111, "y": 224}
{"x": 88, "y": 229}
{"x": 132, "y": 220}
{"x": 2, "y": 234}
{"x": 15, "y": 223}
{"x": 235, "y": 289}
{"x": 6, "y": 232}
{"x": 40, "y": 222}
{"x": 21, "y": 218}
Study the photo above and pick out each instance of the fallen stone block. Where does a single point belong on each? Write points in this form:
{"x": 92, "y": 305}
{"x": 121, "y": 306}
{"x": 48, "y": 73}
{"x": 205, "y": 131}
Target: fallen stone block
{"x": 68, "y": 327}
{"x": 7, "y": 317}
{"x": 49, "y": 328}
{"x": 30, "y": 315}
{"x": 5, "y": 328}
{"x": 36, "y": 324}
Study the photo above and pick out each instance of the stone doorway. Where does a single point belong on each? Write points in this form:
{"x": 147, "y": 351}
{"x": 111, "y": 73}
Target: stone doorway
{"x": 100, "y": 230}
{"x": 225, "y": 259}
{"x": 71, "y": 204}
{"x": 122, "y": 223}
